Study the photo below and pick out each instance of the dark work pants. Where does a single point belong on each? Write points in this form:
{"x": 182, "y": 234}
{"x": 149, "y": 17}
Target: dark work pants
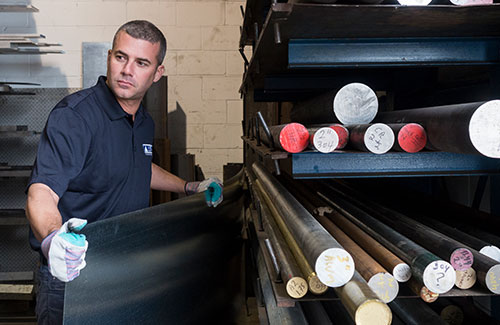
{"x": 50, "y": 298}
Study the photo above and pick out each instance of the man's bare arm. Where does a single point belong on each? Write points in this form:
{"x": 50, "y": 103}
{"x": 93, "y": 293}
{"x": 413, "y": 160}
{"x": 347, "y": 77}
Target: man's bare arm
{"x": 42, "y": 211}
{"x": 164, "y": 181}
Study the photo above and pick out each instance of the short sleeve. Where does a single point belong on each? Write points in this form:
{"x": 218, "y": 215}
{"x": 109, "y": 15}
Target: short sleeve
{"x": 63, "y": 147}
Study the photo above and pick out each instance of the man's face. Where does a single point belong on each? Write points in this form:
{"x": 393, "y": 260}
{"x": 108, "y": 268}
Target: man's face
{"x": 132, "y": 68}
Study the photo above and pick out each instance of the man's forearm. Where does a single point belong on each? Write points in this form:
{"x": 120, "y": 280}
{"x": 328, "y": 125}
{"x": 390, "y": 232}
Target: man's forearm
{"x": 42, "y": 212}
{"x": 164, "y": 181}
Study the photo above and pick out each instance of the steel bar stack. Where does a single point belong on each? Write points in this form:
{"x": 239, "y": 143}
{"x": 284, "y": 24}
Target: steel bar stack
{"x": 362, "y": 304}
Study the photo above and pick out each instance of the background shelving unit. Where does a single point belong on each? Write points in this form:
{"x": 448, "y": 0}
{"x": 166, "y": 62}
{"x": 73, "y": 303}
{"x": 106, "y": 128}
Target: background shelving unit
{"x": 413, "y": 56}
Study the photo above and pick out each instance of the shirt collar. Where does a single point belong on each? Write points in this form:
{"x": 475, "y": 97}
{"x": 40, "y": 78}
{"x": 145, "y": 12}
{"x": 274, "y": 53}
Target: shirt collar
{"x": 109, "y": 103}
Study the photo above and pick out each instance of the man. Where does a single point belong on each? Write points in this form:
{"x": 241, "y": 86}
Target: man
{"x": 94, "y": 161}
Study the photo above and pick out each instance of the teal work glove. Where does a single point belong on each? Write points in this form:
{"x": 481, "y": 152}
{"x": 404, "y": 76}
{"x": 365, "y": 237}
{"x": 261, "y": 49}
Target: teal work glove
{"x": 65, "y": 250}
{"x": 212, "y": 187}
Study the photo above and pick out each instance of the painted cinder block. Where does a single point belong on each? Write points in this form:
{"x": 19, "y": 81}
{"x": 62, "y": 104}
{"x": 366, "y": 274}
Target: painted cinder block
{"x": 200, "y": 13}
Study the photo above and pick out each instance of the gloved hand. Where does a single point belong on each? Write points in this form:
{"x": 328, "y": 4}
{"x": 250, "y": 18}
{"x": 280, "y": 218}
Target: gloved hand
{"x": 65, "y": 250}
{"x": 212, "y": 187}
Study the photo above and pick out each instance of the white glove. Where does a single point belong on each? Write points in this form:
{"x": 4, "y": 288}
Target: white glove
{"x": 212, "y": 187}
{"x": 65, "y": 250}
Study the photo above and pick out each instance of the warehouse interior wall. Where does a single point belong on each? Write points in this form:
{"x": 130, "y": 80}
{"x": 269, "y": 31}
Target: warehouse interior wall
{"x": 203, "y": 64}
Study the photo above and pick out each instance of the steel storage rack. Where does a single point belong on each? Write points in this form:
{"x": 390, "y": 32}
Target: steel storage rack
{"x": 412, "y": 56}
{"x": 20, "y": 127}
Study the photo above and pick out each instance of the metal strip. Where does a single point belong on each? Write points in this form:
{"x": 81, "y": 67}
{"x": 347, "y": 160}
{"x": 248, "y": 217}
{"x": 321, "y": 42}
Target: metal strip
{"x": 392, "y": 52}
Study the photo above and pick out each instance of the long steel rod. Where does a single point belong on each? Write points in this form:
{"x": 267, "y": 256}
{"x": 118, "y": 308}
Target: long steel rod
{"x": 462, "y": 128}
{"x": 418, "y": 287}
{"x": 376, "y": 138}
{"x": 414, "y": 311}
{"x": 381, "y": 282}
{"x": 436, "y": 274}
{"x": 410, "y": 137}
{"x": 400, "y": 270}
{"x": 291, "y": 137}
{"x": 355, "y": 103}
{"x": 333, "y": 265}
{"x": 487, "y": 269}
{"x": 362, "y": 303}
{"x": 480, "y": 245}
{"x": 458, "y": 254}
{"x": 296, "y": 285}
{"x": 323, "y": 139}
{"x": 314, "y": 284}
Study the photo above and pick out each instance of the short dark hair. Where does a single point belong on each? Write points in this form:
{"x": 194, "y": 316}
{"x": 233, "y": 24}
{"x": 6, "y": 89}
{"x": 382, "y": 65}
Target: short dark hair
{"x": 143, "y": 29}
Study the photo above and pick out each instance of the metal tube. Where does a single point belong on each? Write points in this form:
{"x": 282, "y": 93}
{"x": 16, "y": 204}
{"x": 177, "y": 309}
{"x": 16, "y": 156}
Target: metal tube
{"x": 462, "y": 128}
{"x": 355, "y": 103}
{"x": 436, "y": 274}
{"x": 296, "y": 286}
{"x": 333, "y": 265}
{"x": 376, "y": 138}
{"x": 314, "y": 284}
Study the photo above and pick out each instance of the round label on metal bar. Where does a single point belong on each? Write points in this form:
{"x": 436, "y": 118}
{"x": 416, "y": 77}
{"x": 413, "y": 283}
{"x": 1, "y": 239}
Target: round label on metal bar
{"x": 461, "y": 259}
{"x": 493, "y": 279}
{"x": 427, "y": 295}
{"x": 385, "y": 286}
{"x": 335, "y": 267}
{"x": 412, "y": 137}
{"x": 466, "y": 279}
{"x": 296, "y": 287}
{"x": 294, "y": 137}
{"x": 355, "y": 103}
{"x": 484, "y": 127}
{"x": 325, "y": 140}
{"x": 379, "y": 138}
{"x": 492, "y": 252}
{"x": 402, "y": 272}
{"x": 316, "y": 286}
{"x": 439, "y": 276}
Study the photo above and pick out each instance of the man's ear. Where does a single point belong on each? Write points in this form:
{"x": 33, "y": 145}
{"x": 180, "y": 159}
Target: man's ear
{"x": 159, "y": 72}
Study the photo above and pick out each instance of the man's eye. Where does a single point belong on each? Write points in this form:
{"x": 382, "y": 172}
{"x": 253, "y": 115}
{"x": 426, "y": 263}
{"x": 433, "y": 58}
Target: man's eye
{"x": 142, "y": 64}
{"x": 119, "y": 57}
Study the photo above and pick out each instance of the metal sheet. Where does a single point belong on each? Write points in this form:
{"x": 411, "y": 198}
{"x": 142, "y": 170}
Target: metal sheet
{"x": 94, "y": 57}
{"x": 164, "y": 264}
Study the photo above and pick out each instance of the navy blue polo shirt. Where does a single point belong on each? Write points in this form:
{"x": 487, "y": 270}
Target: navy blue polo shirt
{"x": 94, "y": 158}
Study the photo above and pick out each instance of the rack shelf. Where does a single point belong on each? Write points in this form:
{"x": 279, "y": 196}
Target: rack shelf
{"x": 443, "y": 29}
{"x": 18, "y": 8}
{"x": 356, "y": 164}
{"x": 15, "y": 171}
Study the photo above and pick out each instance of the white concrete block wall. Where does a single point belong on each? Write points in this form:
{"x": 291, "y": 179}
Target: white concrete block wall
{"x": 202, "y": 62}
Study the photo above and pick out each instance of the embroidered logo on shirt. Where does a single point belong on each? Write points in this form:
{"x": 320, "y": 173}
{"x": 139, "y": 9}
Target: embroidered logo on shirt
{"x": 148, "y": 149}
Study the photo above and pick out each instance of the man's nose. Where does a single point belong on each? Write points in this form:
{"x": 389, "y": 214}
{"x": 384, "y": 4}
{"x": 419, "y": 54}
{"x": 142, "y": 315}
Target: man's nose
{"x": 127, "y": 68}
